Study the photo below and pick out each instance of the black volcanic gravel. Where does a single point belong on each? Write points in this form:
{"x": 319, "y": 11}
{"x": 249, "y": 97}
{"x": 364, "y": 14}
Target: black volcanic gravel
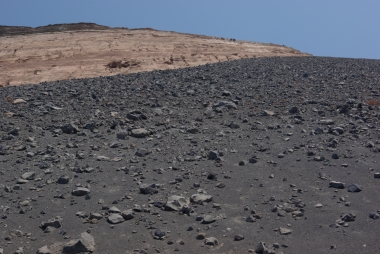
{"x": 269, "y": 155}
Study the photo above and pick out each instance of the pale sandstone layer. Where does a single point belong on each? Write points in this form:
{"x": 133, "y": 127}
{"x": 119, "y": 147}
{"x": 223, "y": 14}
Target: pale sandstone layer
{"x": 59, "y": 55}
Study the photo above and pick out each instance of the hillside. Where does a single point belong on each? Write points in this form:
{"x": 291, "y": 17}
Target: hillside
{"x": 84, "y": 50}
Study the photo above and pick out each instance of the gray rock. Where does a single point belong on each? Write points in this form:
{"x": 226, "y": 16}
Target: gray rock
{"x": 285, "y": 231}
{"x": 213, "y": 155}
{"x": 63, "y": 180}
{"x": 260, "y": 247}
{"x": 208, "y": 219}
{"x": 294, "y": 110}
{"x": 29, "y": 175}
{"x": 370, "y": 144}
{"x": 20, "y": 250}
{"x": 86, "y": 243}
{"x": 127, "y": 214}
{"x": 137, "y": 208}
{"x": 267, "y": 113}
{"x": 348, "y": 217}
{"x": 188, "y": 210}
{"x": 176, "y": 203}
{"x": 115, "y": 218}
{"x": 193, "y": 130}
{"x": 318, "y": 131}
{"x": 55, "y": 223}
{"x": 97, "y": 216}
{"x": 238, "y": 237}
{"x": 139, "y": 133}
{"x": 200, "y": 198}
{"x": 80, "y": 191}
{"x": 252, "y": 160}
{"x": 226, "y": 93}
{"x": 122, "y": 134}
{"x": 211, "y": 241}
{"x": 201, "y": 236}
{"x": 374, "y": 215}
{"x": 146, "y": 188}
{"x": 354, "y": 187}
{"x": 376, "y": 175}
{"x": 225, "y": 104}
{"x": 338, "y": 130}
{"x": 18, "y": 101}
{"x": 70, "y": 128}
{"x": 114, "y": 209}
{"x": 338, "y": 185}
{"x": 234, "y": 126}
{"x": 136, "y": 115}
{"x": 52, "y": 106}
{"x": 243, "y": 163}
{"x": 142, "y": 152}
{"x": 102, "y": 158}
{"x": 43, "y": 250}
{"x": 160, "y": 233}
{"x": 250, "y": 219}
{"x": 328, "y": 121}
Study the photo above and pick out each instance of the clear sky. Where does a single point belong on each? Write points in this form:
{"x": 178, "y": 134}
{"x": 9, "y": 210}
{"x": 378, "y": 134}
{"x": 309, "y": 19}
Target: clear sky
{"x": 338, "y": 28}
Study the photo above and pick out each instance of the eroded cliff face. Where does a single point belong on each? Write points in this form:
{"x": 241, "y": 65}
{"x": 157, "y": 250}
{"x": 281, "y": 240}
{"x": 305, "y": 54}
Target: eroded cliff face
{"x": 84, "y": 50}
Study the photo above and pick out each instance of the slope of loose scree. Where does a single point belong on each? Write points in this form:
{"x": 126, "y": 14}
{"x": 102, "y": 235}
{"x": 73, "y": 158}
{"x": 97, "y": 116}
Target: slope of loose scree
{"x": 266, "y": 155}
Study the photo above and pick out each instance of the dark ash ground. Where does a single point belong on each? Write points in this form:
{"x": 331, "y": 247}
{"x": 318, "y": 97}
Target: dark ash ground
{"x": 278, "y": 150}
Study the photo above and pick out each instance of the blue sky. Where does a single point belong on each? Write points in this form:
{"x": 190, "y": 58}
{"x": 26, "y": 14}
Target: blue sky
{"x": 337, "y": 28}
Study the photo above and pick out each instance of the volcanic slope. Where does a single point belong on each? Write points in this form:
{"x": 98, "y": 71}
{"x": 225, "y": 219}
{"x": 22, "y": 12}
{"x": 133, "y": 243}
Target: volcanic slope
{"x": 273, "y": 155}
{"x": 86, "y": 50}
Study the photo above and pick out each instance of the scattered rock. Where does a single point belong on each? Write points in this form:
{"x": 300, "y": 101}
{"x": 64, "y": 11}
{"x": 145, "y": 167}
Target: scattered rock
{"x": 176, "y": 203}
{"x": 80, "y": 191}
{"x": 354, "y": 188}
{"x": 201, "y": 198}
{"x": 43, "y": 250}
{"x": 374, "y": 215}
{"x": 211, "y": 241}
{"x": 139, "y": 133}
{"x": 18, "y": 101}
{"x": 338, "y": 185}
{"x": 115, "y": 218}
{"x": 285, "y": 231}
{"x": 70, "y": 128}
{"x": 148, "y": 188}
{"x": 201, "y": 236}
{"x": 63, "y": 180}
{"x": 86, "y": 243}
{"x": 127, "y": 214}
{"x": 29, "y": 175}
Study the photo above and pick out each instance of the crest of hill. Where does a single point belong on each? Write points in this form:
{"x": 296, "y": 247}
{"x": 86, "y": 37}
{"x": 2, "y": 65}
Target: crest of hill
{"x": 24, "y": 30}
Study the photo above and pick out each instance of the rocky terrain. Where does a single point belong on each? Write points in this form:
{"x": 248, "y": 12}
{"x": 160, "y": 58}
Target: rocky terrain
{"x": 266, "y": 155}
{"x": 85, "y": 50}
